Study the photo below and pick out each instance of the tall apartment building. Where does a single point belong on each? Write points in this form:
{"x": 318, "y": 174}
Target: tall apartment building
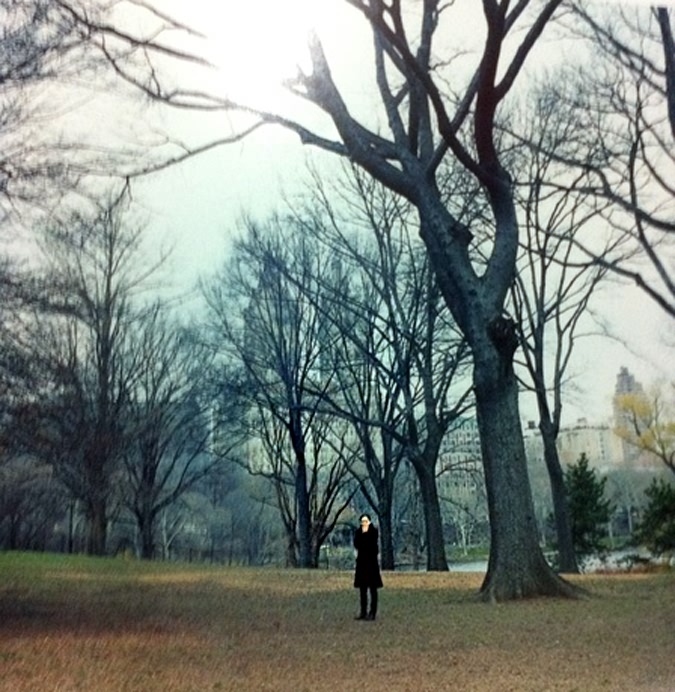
{"x": 626, "y": 385}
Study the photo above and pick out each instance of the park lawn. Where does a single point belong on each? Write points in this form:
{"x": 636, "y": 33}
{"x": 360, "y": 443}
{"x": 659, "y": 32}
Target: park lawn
{"x": 76, "y": 623}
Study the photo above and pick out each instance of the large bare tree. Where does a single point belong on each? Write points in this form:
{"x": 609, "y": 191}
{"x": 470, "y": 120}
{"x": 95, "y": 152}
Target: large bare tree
{"x": 429, "y": 111}
{"x": 555, "y": 283}
{"x": 95, "y": 267}
{"x": 168, "y": 421}
{"x": 394, "y": 326}
{"x": 424, "y": 124}
{"x": 265, "y": 325}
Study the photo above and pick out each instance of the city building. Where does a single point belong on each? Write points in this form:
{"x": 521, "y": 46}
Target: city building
{"x": 461, "y": 446}
{"x": 601, "y": 445}
{"x": 626, "y": 386}
{"x": 604, "y": 449}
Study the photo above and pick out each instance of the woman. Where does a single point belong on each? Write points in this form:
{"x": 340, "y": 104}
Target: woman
{"x": 367, "y": 575}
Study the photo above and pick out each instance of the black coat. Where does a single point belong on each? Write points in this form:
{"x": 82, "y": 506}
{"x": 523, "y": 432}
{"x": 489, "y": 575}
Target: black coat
{"x": 367, "y": 572}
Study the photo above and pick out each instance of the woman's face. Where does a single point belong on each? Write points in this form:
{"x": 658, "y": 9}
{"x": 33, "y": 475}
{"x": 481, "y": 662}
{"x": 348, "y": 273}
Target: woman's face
{"x": 365, "y": 523}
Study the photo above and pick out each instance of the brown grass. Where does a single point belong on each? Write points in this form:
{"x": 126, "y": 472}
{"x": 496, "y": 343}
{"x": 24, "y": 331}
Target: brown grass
{"x": 88, "y": 624}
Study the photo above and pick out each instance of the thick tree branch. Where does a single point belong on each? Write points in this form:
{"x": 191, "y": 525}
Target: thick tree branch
{"x": 663, "y": 15}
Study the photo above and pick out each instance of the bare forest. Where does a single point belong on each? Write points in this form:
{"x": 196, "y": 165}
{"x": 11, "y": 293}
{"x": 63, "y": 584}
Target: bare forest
{"x": 468, "y": 198}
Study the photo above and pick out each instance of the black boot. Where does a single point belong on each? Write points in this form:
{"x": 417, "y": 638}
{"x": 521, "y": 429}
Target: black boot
{"x": 373, "y": 604}
{"x": 363, "y": 594}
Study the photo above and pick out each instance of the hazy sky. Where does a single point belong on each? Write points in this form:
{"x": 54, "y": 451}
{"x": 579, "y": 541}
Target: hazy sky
{"x": 197, "y": 205}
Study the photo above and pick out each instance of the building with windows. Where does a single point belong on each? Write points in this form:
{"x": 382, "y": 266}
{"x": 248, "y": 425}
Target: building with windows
{"x": 626, "y": 386}
{"x": 601, "y": 445}
{"x": 461, "y": 446}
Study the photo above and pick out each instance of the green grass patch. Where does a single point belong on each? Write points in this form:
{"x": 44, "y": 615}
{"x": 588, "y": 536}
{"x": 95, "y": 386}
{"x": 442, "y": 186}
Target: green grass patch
{"x": 77, "y": 623}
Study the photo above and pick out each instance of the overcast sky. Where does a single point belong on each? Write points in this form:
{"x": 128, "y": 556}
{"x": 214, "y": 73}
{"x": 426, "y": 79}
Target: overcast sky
{"x": 196, "y": 206}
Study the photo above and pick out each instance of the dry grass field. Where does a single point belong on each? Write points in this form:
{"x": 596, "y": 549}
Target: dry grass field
{"x": 115, "y": 625}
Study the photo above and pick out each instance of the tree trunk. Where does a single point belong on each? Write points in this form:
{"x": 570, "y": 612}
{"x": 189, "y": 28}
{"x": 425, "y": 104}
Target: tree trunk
{"x": 303, "y": 510}
{"x": 387, "y": 557}
{"x": 304, "y": 519}
{"x": 433, "y": 521}
{"x": 14, "y": 523}
{"x": 291, "y": 550}
{"x": 516, "y": 567}
{"x": 382, "y": 479}
{"x": 563, "y": 524}
{"x": 97, "y": 527}
{"x": 147, "y": 535}
{"x": 316, "y": 555}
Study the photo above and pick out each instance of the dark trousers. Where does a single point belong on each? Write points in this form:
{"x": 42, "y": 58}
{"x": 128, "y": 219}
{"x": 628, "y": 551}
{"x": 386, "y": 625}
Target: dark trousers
{"x": 364, "y": 600}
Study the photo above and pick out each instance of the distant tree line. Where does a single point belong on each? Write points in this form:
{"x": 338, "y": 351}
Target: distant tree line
{"x": 451, "y": 267}
{"x": 322, "y": 379}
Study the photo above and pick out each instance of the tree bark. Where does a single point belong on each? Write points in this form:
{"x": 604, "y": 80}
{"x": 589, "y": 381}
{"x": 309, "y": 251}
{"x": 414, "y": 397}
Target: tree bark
{"x": 147, "y": 534}
{"x": 563, "y": 523}
{"x": 96, "y": 497}
{"x": 303, "y": 515}
{"x": 291, "y": 551}
{"x": 97, "y": 528}
{"x": 387, "y": 557}
{"x": 433, "y": 521}
{"x": 304, "y": 520}
{"x": 516, "y": 566}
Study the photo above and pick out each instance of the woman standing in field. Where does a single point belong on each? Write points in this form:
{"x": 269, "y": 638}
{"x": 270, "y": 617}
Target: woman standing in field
{"x": 367, "y": 575}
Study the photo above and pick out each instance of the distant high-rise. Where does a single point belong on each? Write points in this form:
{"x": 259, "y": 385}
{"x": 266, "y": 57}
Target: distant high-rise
{"x": 626, "y": 385}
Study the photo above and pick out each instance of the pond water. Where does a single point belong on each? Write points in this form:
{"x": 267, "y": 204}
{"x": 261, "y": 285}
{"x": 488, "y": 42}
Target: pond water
{"x": 476, "y": 566}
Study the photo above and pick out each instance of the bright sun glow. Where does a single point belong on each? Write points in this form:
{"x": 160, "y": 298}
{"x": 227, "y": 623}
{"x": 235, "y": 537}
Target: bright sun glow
{"x": 258, "y": 45}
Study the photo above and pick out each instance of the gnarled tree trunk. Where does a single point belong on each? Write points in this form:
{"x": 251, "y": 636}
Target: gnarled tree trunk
{"x": 516, "y": 566}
